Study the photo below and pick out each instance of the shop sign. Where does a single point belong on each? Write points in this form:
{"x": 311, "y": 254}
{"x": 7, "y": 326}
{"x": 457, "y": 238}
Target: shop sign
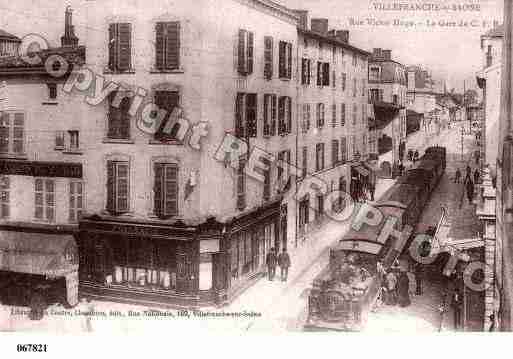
{"x": 209, "y": 246}
{"x": 41, "y": 169}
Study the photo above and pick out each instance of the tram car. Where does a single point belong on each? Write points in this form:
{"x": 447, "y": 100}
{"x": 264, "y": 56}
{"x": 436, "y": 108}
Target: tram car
{"x": 344, "y": 293}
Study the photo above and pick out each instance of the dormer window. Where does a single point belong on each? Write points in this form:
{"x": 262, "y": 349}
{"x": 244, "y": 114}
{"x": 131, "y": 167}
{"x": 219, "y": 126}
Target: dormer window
{"x": 52, "y": 91}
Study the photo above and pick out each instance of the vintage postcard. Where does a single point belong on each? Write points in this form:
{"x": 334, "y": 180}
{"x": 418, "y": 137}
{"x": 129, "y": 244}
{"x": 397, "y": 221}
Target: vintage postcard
{"x": 255, "y": 166}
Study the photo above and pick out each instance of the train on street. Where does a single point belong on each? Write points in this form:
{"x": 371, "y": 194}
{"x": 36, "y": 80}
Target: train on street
{"x": 344, "y": 293}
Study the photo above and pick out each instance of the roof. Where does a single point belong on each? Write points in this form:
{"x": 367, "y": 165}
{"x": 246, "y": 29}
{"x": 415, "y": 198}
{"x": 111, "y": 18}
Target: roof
{"x": 413, "y": 113}
{"x": 73, "y": 55}
{"x": 331, "y": 40}
{"x": 495, "y": 32}
{"x": 4, "y": 35}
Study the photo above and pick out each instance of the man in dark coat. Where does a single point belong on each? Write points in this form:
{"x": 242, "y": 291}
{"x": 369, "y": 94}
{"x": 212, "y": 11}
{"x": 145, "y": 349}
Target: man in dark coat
{"x": 284, "y": 263}
{"x": 477, "y": 176}
{"x": 470, "y": 190}
{"x": 403, "y": 288}
{"x": 270, "y": 261}
{"x": 456, "y": 304}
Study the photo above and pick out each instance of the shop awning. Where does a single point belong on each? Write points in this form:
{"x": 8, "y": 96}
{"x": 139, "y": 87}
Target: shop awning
{"x": 52, "y": 255}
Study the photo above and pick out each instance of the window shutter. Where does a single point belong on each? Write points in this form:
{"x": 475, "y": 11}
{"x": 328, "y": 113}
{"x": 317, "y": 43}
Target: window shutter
{"x": 343, "y": 114}
{"x": 251, "y": 115}
{"x": 289, "y": 114}
{"x": 309, "y": 63}
{"x": 159, "y": 45}
{"x": 168, "y": 101}
{"x": 122, "y": 187}
{"x": 17, "y": 132}
{"x": 268, "y": 57}
{"x": 282, "y": 55}
{"x": 273, "y": 115}
{"x": 157, "y": 190}
{"x": 125, "y": 46}
{"x": 239, "y": 115}
{"x": 171, "y": 190}
{"x": 319, "y": 73}
{"x": 267, "y": 109}
{"x": 281, "y": 115}
{"x": 173, "y": 45}
{"x": 289, "y": 60}
{"x": 303, "y": 71}
{"x": 113, "y": 46}
{"x": 249, "y": 67}
{"x": 124, "y": 123}
{"x": 111, "y": 188}
{"x": 241, "y": 53}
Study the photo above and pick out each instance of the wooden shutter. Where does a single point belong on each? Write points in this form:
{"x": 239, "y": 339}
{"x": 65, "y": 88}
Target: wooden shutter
{"x": 160, "y": 45}
{"x": 305, "y": 161}
{"x": 282, "y": 59}
{"x": 303, "y": 71}
{"x": 173, "y": 45}
{"x": 343, "y": 114}
{"x": 281, "y": 115}
{"x": 241, "y": 185}
{"x": 113, "y": 46}
{"x": 124, "y": 118}
{"x": 268, "y": 57}
{"x": 251, "y": 115}
{"x": 239, "y": 115}
{"x": 122, "y": 187}
{"x": 158, "y": 190}
{"x": 334, "y": 152}
{"x": 168, "y": 101}
{"x": 289, "y": 114}
{"x": 289, "y": 60}
{"x": 17, "y": 132}
{"x": 343, "y": 149}
{"x": 111, "y": 187}
{"x": 250, "y": 51}
{"x": 171, "y": 190}
{"x": 309, "y": 71}
{"x": 241, "y": 53}
{"x": 267, "y": 114}
{"x": 319, "y": 73}
{"x": 326, "y": 74}
{"x": 125, "y": 46}
{"x": 273, "y": 115}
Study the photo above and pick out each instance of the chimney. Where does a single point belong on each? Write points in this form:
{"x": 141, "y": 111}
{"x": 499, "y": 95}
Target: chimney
{"x": 377, "y": 54}
{"x": 320, "y": 26}
{"x": 387, "y": 55}
{"x": 69, "y": 39}
{"x": 303, "y": 18}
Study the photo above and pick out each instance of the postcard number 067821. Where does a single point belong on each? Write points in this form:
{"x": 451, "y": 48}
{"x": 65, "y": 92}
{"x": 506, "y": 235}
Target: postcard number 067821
{"x": 34, "y": 348}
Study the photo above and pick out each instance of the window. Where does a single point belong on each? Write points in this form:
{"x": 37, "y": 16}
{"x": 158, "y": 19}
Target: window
{"x": 59, "y": 140}
{"x": 283, "y": 166}
{"x": 120, "y": 47}
{"x": 306, "y": 117}
{"x": 355, "y": 60}
{"x": 355, "y": 87}
{"x": 333, "y": 115}
{"x": 319, "y": 74}
{"x": 285, "y": 60}
{"x": 119, "y": 119}
{"x": 355, "y": 147}
{"x": 74, "y": 141}
{"x": 344, "y": 80}
{"x": 166, "y": 190}
{"x": 4, "y": 197}
{"x": 320, "y": 115}
{"x": 268, "y": 57}
{"x": 376, "y": 95}
{"x": 269, "y": 115}
{"x": 489, "y": 58}
{"x": 325, "y": 74}
{"x": 52, "y": 91}
{"x": 245, "y": 53}
{"x": 304, "y": 167}
{"x": 12, "y": 126}
{"x": 355, "y": 114}
{"x": 167, "y": 101}
{"x": 334, "y": 153}
{"x": 305, "y": 71}
{"x": 319, "y": 157}
{"x": 363, "y": 88}
{"x": 342, "y": 114}
{"x": 246, "y": 115}
{"x": 241, "y": 184}
{"x": 118, "y": 187}
{"x": 167, "y": 45}
{"x": 395, "y": 99}
{"x": 76, "y": 200}
{"x": 343, "y": 149}
{"x": 267, "y": 180}
{"x": 45, "y": 199}
{"x": 284, "y": 115}
{"x": 333, "y": 79}
{"x": 374, "y": 73}
{"x": 320, "y": 207}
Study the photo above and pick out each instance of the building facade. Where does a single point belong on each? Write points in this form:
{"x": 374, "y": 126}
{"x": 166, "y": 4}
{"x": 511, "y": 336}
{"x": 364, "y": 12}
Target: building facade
{"x": 388, "y": 94}
{"x": 421, "y": 94}
{"x": 333, "y": 139}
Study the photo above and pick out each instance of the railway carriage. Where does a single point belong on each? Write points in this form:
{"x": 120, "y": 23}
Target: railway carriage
{"x": 344, "y": 293}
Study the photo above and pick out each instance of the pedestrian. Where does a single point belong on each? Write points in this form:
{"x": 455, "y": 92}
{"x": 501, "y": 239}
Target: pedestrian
{"x": 284, "y": 263}
{"x": 391, "y": 288}
{"x": 457, "y": 177}
{"x": 403, "y": 288}
{"x": 372, "y": 190}
{"x": 270, "y": 261}
{"x": 476, "y": 154}
{"x": 476, "y": 176}
{"x": 492, "y": 323}
{"x": 469, "y": 171}
{"x": 418, "y": 279}
{"x": 456, "y": 304}
{"x": 410, "y": 155}
{"x": 415, "y": 156}
{"x": 470, "y": 190}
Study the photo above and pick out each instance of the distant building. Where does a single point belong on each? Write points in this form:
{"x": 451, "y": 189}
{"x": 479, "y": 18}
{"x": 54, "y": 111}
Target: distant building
{"x": 9, "y": 44}
{"x": 422, "y": 92}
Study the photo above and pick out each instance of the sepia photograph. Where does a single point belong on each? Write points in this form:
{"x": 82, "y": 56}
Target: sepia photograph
{"x": 342, "y": 167}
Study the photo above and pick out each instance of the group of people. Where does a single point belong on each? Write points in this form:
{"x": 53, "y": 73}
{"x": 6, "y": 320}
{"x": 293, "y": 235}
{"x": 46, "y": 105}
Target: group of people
{"x": 272, "y": 261}
{"x": 397, "y": 284}
{"x": 469, "y": 181}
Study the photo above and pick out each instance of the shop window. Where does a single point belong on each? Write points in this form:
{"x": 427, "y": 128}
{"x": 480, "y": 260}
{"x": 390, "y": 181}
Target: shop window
{"x": 45, "y": 199}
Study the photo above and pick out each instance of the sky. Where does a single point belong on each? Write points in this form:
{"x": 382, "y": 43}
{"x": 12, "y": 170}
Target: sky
{"x": 450, "y": 52}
